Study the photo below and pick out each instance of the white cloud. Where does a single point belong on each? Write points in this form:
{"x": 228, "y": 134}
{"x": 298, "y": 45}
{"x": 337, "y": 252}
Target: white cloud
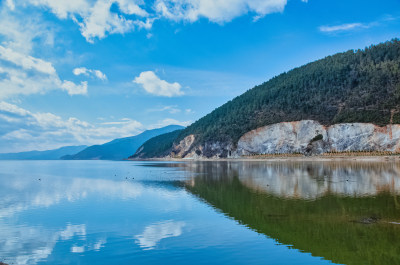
{"x": 216, "y": 10}
{"x": 154, "y": 85}
{"x": 20, "y": 81}
{"x": 171, "y": 109}
{"x": 355, "y": 26}
{"x": 131, "y": 8}
{"x": 97, "y": 19}
{"x": 17, "y": 81}
{"x": 154, "y": 233}
{"x": 342, "y": 27}
{"x": 100, "y": 75}
{"x": 19, "y": 33}
{"x": 10, "y": 4}
{"x": 25, "y": 61}
{"x": 169, "y": 121}
{"x": 62, "y": 8}
{"x": 80, "y": 71}
{"x": 88, "y": 72}
{"x": 74, "y": 89}
{"x": 22, "y": 73}
{"x": 24, "y": 130}
{"x": 13, "y": 109}
{"x": 101, "y": 21}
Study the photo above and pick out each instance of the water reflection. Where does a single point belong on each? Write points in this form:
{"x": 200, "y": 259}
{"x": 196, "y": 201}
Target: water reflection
{"x": 114, "y": 213}
{"x": 343, "y": 212}
{"x": 307, "y": 180}
{"x": 153, "y": 233}
{"x": 29, "y": 244}
{"x": 36, "y": 209}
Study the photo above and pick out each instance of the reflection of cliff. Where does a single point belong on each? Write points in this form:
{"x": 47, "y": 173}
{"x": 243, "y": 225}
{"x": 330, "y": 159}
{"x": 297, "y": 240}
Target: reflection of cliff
{"x": 309, "y": 180}
{"x": 326, "y": 226}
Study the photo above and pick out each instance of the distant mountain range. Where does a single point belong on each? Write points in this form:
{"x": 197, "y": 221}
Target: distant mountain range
{"x": 43, "y": 155}
{"x": 119, "y": 148}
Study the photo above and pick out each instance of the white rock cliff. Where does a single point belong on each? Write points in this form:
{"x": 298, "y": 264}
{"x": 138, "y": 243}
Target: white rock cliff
{"x": 298, "y": 137}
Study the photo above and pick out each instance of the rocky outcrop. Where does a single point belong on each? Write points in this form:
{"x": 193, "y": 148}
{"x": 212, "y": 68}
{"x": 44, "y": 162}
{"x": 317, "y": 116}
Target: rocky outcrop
{"x": 284, "y": 137}
{"x": 184, "y": 147}
{"x": 187, "y": 149}
{"x": 306, "y": 137}
{"x": 299, "y": 137}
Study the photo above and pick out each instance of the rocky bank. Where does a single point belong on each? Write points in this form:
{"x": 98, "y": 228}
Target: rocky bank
{"x": 307, "y": 137}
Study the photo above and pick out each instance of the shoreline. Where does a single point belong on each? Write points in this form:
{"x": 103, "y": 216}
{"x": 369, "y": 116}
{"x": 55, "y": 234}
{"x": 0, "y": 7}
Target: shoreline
{"x": 393, "y": 158}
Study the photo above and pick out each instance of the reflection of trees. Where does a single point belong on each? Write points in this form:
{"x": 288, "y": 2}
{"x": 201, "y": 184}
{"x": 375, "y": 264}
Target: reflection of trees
{"x": 328, "y": 225}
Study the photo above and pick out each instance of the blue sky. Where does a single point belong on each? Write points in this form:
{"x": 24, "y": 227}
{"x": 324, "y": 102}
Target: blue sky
{"x": 88, "y": 71}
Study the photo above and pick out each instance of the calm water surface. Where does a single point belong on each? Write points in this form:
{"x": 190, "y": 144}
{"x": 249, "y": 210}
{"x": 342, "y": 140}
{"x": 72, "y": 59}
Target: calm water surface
{"x": 107, "y": 212}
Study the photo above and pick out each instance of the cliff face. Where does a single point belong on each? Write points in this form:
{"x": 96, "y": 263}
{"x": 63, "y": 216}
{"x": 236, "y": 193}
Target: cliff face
{"x": 297, "y": 137}
{"x": 307, "y": 137}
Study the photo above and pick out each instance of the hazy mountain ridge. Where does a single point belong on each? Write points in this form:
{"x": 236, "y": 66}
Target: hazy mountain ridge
{"x": 53, "y": 154}
{"x": 120, "y": 148}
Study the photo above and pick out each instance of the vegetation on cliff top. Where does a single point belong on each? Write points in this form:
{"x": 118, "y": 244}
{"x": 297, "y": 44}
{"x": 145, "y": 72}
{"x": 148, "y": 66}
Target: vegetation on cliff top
{"x": 354, "y": 86}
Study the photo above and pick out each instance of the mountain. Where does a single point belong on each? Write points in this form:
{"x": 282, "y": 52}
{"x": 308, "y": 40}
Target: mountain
{"x": 43, "y": 155}
{"x": 357, "y": 86}
{"x": 120, "y": 148}
{"x": 157, "y": 146}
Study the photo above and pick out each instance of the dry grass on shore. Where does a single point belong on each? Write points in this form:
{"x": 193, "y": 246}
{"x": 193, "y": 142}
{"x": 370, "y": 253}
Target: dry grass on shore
{"x": 327, "y": 154}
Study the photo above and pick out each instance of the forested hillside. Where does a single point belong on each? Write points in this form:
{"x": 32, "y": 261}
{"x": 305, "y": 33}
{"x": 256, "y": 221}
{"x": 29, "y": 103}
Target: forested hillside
{"x": 354, "y": 86}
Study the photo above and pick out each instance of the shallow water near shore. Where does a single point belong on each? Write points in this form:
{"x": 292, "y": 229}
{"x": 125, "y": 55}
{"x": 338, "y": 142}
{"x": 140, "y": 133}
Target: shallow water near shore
{"x": 209, "y": 212}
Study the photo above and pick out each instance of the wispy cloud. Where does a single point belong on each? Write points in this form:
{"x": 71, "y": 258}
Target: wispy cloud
{"x": 171, "y": 109}
{"x": 357, "y": 25}
{"x": 169, "y": 121}
{"x": 342, "y": 27}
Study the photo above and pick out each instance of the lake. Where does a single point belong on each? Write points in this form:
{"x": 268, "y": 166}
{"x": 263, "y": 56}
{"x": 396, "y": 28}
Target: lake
{"x": 124, "y": 212}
